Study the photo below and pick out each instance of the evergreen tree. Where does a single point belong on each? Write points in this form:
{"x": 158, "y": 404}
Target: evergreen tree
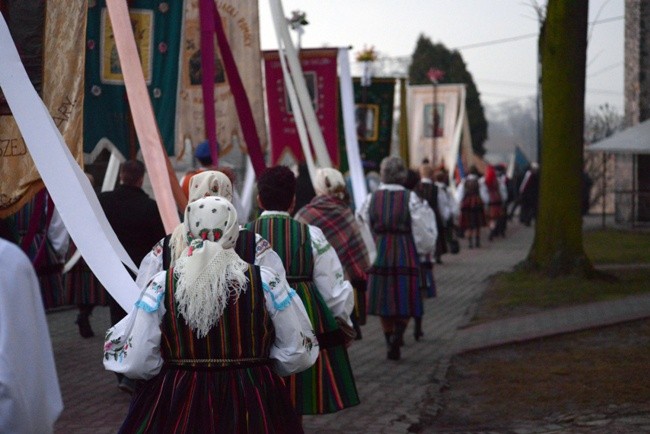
{"x": 428, "y": 55}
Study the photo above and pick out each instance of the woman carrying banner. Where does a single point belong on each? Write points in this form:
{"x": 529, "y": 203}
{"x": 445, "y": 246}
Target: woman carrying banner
{"x": 211, "y": 337}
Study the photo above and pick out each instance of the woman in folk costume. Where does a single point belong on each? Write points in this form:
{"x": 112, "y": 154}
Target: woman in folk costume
{"x": 313, "y": 269}
{"x": 211, "y": 336}
{"x": 251, "y": 247}
{"x": 404, "y": 227}
{"x": 472, "y": 214}
{"x": 330, "y": 212}
{"x": 434, "y": 196}
{"x": 493, "y": 195}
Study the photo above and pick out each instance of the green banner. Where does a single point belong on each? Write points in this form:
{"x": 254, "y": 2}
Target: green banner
{"x": 156, "y": 27}
{"x": 374, "y": 122}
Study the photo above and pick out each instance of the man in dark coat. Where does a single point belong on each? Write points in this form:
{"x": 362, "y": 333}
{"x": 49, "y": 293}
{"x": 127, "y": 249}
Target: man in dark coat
{"x": 134, "y": 217}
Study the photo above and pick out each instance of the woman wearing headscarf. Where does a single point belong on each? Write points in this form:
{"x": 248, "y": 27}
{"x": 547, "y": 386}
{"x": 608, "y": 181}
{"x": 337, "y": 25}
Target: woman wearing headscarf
{"x": 211, "y": 336}
{"x": 472, "y": 213}
{"x": 404, "y": 227}
{"x": 251, "y": 247}
{"x": 330, "y": 211}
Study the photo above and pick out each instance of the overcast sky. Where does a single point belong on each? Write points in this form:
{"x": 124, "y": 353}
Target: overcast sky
{"x": 501, "y": 70}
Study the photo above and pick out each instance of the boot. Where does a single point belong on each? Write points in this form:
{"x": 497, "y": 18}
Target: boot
{"x": 471, "y": 244}
{"x": 393, "y": 347}
{"x": 84, "y": 326}
{"x": 478, "y": 242}
{"x": 417, "y": 333}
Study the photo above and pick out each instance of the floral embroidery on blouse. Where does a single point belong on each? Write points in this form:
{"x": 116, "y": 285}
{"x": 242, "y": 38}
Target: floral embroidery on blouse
{"x": 262, "y": 246}
{"x": 115, "y": 348}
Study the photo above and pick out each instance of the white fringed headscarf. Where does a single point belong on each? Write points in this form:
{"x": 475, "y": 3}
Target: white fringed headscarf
{"x": 209, "y": 271}
{"x": 203, "y": 184}
{"x": 329, "y": 181}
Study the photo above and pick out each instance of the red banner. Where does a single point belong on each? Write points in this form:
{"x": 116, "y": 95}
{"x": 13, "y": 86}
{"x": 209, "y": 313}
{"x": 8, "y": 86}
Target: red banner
{"x": 319, "y": 68}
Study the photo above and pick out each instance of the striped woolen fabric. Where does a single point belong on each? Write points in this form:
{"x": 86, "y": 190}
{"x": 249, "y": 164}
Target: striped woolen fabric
{"x": 393, "y": 287}
{"x": 81, "y": 285}
{"x": 337, "y": 222}
{"x": 328, "y": 386}
{"x": 245, "y": 246}
{"x": 216, "y": 397}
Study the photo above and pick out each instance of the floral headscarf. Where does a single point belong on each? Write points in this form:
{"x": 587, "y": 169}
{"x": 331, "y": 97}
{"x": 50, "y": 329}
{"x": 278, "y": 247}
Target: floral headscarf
{"x": 203, "y": 184}
{"x": 209, "y": 271}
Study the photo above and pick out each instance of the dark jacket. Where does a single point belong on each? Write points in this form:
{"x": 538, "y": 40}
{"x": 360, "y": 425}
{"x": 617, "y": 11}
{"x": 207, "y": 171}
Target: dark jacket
{"x": 135, "y": 219}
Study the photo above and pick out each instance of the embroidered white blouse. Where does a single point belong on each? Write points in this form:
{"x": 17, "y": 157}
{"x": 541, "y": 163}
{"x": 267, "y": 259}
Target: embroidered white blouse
{"x": 328, "y": 273}
{"x": 132, "y": 346}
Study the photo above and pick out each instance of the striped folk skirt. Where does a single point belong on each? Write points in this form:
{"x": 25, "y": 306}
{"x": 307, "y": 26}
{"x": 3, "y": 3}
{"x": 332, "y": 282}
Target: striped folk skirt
{"x": 328, "y": 386}
{"x": 393, "y": 280}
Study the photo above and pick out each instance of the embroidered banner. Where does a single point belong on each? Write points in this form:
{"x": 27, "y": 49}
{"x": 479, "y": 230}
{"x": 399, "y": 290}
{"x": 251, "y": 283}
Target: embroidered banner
{"x": 240, "y": 21}
{"x": 157, "y": 28}
{"x": 51, "y": 40}
{"x": 440, "y": 147}
{"x": 373, "y": 115}
{"x": 320, "y": 70}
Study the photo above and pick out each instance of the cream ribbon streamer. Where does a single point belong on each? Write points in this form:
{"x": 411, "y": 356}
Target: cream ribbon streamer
{"x": 143, "y": 118}
{"x": 305, "y": 105}
{"x": 67, "y": 184}
{"x": 359, "y": 188}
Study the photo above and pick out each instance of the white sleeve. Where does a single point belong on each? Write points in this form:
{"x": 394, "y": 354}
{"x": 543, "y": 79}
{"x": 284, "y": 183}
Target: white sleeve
{"x": 266, "y": 256}
{"x": 524, "y": 182}
{"x": 296, "y": 347}
{"x": 151, "y": 265}
{"x": 423, "y": 225}
{"x": 503, "y": 190}
{"x": 58, "y": 235}
{"x": 460, "y": 192}
{"x": 132, "y": 346}
{"x": 483, "y": 192}
{"x": 443, "y": 204}
{"x": 329, "y": 278}
{"x": 362, "y": 213}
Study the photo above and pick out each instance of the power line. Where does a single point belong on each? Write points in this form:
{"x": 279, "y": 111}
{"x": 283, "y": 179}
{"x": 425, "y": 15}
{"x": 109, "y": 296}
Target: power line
{"x": 526, "y": 36}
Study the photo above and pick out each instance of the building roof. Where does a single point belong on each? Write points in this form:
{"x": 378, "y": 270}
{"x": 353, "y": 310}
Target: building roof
{"x": 632, "y": 140}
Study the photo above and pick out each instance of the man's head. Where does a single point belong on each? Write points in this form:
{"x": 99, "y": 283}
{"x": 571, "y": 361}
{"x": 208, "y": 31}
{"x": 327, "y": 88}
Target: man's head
{"x": 393, "y": 171}
{"x": 132, "y": 173}
{"x": 276, "y": 189}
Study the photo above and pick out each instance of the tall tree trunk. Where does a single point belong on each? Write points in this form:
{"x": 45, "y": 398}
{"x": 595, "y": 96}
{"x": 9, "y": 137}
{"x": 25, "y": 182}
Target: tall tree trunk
{"x": 558, "y": 248}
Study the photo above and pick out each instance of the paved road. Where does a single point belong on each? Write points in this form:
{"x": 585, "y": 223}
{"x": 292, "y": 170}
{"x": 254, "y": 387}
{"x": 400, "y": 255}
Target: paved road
{"x": 392, "y": 393}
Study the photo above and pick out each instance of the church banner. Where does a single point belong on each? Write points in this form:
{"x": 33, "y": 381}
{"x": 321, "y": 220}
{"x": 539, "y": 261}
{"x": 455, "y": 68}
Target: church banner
{"x": 320, "y": 70}
{"x": 439, "y": 146}
{"x": 51, "y": 40}
{"x": 373, "y": 115}
{"x": 240, "y": 20}
{"x": 156, "y": 27}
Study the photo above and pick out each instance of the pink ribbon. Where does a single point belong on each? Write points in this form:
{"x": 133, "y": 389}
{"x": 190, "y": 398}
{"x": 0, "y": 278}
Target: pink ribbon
{"x": 239, "y": 93}
{"x": 207, "y": 75}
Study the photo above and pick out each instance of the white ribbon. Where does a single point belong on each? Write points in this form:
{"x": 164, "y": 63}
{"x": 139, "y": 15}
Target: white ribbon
{"x": 69, "y": 187}
{"x": 305, "y": 104}
{"x": 280, "y": 23}
{"x": 359, "y": 188}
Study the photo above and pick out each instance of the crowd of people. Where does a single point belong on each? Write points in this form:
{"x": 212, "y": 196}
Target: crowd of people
{"x": 246, "y": 328}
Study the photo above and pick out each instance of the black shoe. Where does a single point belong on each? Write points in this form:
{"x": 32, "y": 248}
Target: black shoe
{"x": 438, "y": 260}
{"x": 84, "y": 326}
{"x": 393, "y": 348}
{"x": 417, "y": 333}
{"x": 478, "y": 242}
{"x": 126, "y": 385}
